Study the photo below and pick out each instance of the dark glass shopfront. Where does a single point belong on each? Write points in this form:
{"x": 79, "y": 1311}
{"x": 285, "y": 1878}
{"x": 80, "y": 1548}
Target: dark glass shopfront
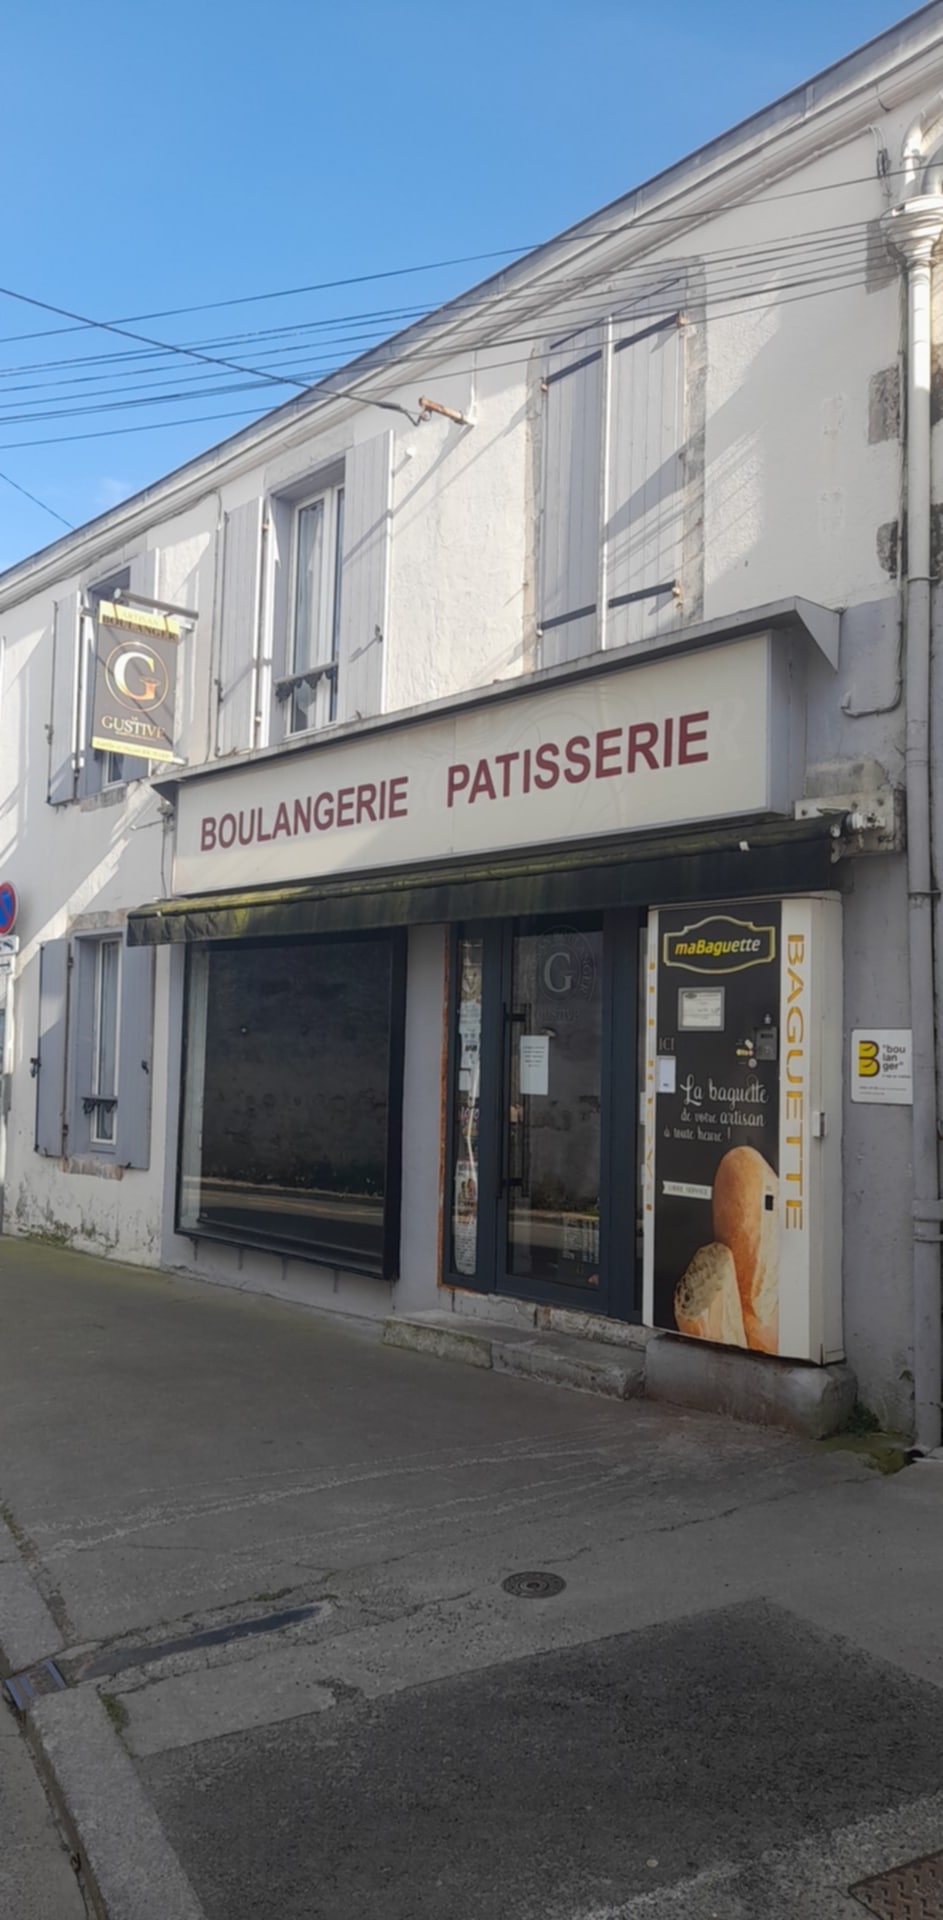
{"x": 292, "y": 1113}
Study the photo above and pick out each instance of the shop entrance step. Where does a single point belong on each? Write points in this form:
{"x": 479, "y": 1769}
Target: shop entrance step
{"x": 558, "y": 1359}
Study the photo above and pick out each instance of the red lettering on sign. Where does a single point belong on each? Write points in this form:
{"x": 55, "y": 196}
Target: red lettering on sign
{"x": 324, "y": 811}
{"x": 688, "y": 738}
{"x": 506, "y": 760}
{"x": 227, "y": 830}
{"x": 399, "y": 804}
{"x": 247, "y": 833}
{"x": 482, "y": 783}
{"x": 608, "y": 744}
{"x": 457, "y": 781}
{"x": 366, "y": 803}
{"x": 345, "y": 807}
{"x": 282, "y": 822}
{"x": 207, "y": 834}
{"x": 546, "y": 758}
{"x": 303, "y": 815}
{"x": 642, "y": 738}
{"x": 577, "y": 754}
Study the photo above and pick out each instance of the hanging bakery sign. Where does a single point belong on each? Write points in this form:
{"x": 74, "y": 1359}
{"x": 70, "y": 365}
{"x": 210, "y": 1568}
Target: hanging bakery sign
{"x": 653, "y": 744}
{"x": 135, "y": 682}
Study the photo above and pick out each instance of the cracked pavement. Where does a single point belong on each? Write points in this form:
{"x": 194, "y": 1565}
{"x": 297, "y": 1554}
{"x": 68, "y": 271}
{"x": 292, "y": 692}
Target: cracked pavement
{"x": 176, "y": 1458}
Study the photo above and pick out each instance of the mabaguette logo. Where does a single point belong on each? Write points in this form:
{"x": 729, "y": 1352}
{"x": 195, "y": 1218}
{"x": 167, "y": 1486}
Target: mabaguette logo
{"x": 720, "y": 944}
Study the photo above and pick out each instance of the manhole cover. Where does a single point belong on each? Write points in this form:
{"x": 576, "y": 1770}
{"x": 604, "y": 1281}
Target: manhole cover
{"x": 911, "y": 1892}
{"x": 533, "y": 1586}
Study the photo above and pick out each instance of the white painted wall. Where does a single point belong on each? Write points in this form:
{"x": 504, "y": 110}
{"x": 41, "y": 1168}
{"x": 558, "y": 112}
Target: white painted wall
{"x": 795, "y": 491}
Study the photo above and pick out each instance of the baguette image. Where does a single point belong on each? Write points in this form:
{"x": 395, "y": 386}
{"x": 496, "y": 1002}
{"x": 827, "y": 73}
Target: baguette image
{"x": 746, "y": 1219}
{"x": 707, "y": 1299}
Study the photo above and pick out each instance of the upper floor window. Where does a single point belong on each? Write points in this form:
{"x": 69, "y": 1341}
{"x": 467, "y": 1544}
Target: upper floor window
{"x": 612, "y": 523}
{"x": 309, "y": 688}
{"x": 76, "y": 768}
{"x": 305, "y": 584}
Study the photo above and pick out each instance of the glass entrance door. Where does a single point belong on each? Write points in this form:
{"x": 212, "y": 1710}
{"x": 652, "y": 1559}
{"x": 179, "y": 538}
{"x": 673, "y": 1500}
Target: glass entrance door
{"x": 552, "y": 1123}
{"x": 543, "y": 1097}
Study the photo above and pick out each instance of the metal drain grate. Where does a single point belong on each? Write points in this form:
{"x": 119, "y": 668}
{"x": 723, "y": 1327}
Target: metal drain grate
{"x": 911, "y": 1892}
{"x": 23, "y": 1688}
{"x": 533, "y": 1586}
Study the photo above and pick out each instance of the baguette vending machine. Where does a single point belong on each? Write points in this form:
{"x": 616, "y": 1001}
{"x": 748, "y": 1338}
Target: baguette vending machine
{"x": 742, "y": 1136}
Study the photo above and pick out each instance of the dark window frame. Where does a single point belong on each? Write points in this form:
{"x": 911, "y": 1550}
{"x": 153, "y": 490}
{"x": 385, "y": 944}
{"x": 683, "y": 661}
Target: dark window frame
{"x": 388, "y": 1267}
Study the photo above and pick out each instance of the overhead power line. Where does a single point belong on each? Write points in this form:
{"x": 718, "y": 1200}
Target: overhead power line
{"x": 44, "y": 504}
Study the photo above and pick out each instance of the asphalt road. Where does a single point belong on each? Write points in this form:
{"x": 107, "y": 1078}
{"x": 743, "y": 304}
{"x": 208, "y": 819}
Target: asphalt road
{"x": 730, "y": 1708}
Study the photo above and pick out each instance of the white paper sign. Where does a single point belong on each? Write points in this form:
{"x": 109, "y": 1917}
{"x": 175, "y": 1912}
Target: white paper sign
{"x": 701, "y": 1009}
{"x": 666, "y": 1073}
{"x": 882, "y": 1069}
{"x": 535, "y": 1063}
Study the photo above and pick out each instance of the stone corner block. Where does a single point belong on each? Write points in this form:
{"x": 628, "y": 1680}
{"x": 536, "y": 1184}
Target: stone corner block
{"x": 813, "y": 1401}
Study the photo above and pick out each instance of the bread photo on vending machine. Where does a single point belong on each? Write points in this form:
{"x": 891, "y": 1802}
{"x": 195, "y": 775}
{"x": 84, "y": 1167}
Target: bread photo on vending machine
{"x": 707, "y": 1298}
{"x": 746, "y": 1220}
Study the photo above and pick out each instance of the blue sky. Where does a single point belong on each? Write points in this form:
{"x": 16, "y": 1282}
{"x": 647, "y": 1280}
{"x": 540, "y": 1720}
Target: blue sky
{"x": 161, "y": 157}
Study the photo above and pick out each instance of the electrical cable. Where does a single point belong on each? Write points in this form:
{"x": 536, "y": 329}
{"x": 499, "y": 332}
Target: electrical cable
{"x": 44, "y": 504}
{"x": 319, "y": 401}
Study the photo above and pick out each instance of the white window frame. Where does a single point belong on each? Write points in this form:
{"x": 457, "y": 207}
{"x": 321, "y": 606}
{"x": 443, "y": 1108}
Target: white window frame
{"x": 103, "y": 1120}
{"x": 306, "y": 696}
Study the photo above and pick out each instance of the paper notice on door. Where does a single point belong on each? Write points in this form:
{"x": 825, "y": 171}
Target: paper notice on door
{"x": 666, "y": 1073}
{"x": 535, "y": 1063}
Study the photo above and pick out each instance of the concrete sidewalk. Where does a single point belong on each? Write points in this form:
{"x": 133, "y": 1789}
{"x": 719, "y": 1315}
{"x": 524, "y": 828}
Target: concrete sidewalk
{"x": 36, "y": 1879}
{"x": 270, "y": 1554}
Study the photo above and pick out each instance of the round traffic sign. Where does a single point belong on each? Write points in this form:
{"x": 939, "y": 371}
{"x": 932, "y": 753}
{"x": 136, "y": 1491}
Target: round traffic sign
{"x": 7, "y": 907}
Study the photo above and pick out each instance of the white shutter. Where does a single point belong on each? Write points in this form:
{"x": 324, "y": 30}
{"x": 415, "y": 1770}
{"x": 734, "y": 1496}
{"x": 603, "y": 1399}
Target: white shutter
{"x": 570, "y": 507}
{"x": 645, "y": 526}
{"x": 50, "y": 1058}
{"x": 133, "y": 1130}
{"x": 365, "y": 577}
{"x": 63, "y": 714}
{"x": 239, "y": 628}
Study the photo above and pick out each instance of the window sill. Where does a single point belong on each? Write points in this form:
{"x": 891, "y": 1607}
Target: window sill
{"x": 108, "y": 797}
{"x": 284, "y": 1249}
{"x": 104, "y": 1166}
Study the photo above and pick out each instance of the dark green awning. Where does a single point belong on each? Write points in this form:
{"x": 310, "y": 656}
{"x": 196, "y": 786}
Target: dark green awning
{"x": 774, "y": 856}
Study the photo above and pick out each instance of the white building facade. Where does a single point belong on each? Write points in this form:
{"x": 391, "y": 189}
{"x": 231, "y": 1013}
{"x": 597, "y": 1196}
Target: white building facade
{"x": 531, "y": 911}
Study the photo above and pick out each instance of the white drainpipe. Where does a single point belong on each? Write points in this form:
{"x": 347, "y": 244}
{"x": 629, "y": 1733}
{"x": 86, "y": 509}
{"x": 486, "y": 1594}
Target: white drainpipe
{"x": 914, "y": 229}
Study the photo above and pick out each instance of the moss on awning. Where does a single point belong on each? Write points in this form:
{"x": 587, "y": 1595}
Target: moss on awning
{"x": 772, "y": 856}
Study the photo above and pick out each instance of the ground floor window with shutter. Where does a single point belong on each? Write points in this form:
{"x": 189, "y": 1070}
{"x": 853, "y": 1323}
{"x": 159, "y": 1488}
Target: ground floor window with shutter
{"x": 291, "y": 1124}
{"x": 93, "y": 1058}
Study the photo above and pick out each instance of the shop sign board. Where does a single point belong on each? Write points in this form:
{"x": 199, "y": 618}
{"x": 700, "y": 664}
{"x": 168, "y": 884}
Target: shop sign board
{"x": 882, "y": 1066}
{"x": 135, "y": 682}
{"x": 709, "y": 736}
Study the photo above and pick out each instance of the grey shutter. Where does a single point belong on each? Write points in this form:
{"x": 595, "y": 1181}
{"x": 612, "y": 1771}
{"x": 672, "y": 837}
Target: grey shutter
{"x": 570, "y": 507}
{"x": 239, "y": 628}
{"x": 51, "y": 1046}
{"x": 63, "y": 707}
{"x": 365, "y": 577}
{"x": 646, "y": 474}
{"x": 135, "y": 1064}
